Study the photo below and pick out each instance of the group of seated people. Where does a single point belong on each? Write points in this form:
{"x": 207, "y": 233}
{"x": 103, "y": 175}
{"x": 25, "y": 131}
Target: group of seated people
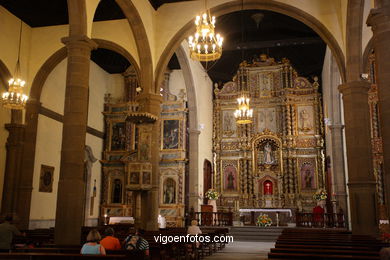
{"x": 95, "y": 245}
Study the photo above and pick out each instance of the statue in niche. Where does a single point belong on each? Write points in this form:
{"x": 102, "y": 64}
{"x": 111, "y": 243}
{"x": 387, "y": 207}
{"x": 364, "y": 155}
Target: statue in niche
{"x": 268, "y": 157}
{"x": 308, "y": 179}
{"x": 305, "y": 121}
{"x": 117, "y": 191}
{"x": 169, "y": 191}
{"x": 230, "y": 174}
{"x": 118, "y": 137}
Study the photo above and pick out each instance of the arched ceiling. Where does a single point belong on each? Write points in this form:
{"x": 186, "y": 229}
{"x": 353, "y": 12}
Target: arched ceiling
{"x": 253, "y": 32}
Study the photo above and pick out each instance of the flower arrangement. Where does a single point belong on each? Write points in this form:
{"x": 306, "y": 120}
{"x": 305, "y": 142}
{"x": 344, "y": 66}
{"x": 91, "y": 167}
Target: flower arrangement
{"x": 320, "y": 195}
{"x": 212, "y": 194}
{"x": 263, "y": 220}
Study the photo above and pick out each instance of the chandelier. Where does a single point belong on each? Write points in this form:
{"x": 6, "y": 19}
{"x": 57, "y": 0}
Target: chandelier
{"x": 243, "y": 114}
{"x": 14, "y": 98}
{"x": 205, "y": 44}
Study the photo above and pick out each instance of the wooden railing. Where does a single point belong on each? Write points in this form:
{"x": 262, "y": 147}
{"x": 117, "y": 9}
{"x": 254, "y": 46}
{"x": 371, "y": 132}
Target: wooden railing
{"x": 327, "y": 220}
{"x": 212, "y": 218}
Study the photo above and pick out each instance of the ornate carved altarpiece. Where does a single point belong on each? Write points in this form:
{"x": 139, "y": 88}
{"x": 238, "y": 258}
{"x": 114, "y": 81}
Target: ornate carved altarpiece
{"x": 278, "y": 160}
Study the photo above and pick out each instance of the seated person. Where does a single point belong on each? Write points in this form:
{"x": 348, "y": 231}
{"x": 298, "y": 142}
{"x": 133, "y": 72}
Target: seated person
{"x": 137, "y": 242}
{"x": 110, "y": 242}
{"x": 7, "y": 232}
{"x": 194, "y": 228}
{"x": 92, "y": 247}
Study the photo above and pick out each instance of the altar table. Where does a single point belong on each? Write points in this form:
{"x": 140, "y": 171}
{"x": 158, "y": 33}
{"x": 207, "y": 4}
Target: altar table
{"x": 276, "y": 211}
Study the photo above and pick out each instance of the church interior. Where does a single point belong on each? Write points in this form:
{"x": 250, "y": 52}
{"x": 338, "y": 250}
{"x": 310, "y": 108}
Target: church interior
{"x": 263, "y": 119}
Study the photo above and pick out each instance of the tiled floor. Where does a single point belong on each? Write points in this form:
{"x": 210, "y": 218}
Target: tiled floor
{"x": 243, "y": 251}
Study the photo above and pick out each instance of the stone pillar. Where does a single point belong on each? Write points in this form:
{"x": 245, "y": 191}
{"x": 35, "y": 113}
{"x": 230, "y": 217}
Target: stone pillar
{"x": 151, "y": 103}
{"x": 379, "y": 20}
{"x": 71, "y": 185}
{"x": 337, "y": 162}
{"x": 193, "y": 199}
{"x": 28, "y": 162}
{"x": 14, "y": 148}
{"x": 361, "y": 180}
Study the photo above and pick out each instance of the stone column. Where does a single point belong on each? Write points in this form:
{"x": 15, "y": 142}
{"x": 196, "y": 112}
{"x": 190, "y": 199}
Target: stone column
{"x": 361, "y": 180}
{"x": 193, "y": 199}
{"x": 71, "y": 185}
{"x": 14, "y": 148}
{"x": 28, "y": 162}
{"x": 151, "y": 103}
{"x": 337, "y": 162}
{"x": 379, "y": 20}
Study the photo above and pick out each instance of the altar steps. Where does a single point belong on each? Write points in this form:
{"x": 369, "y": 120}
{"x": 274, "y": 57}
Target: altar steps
{"x": 253, "y": 233}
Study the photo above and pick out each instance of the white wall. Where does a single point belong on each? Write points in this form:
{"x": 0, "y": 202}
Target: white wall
{"x": 49, "y": 137}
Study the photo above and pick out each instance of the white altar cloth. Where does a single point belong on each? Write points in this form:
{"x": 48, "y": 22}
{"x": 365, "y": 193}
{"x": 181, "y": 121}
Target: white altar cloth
{"x": 267, "y": 210}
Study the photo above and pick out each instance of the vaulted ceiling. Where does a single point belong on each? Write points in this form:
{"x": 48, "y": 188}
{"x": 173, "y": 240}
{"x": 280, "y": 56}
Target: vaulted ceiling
{"x": 247, "y": 34}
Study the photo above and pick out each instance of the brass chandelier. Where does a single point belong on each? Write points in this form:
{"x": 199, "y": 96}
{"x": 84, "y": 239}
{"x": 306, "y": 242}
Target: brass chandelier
{"x": 205, "y": 45}
{"x": 244, "y": 113}
{"x": 14, "y": 98}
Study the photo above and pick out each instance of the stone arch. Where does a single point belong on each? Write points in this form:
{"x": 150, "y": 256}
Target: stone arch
{"x": 274, "y": 6}
{"x": 5, "y": 75}
{"x": 142, "y": 42}
{"x": 193, "y": 120}
{"x": 109, "y": 45}
{"x": 354, "y": 65}
{"x": 61, "y": 54}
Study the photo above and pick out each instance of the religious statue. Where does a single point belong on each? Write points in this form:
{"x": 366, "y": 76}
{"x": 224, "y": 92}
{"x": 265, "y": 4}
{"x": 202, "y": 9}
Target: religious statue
{"x": 268, "y": 158}
{"x": 169, "y": 191}
{"x": 230, "y": 181}
{"x": 117, "y": 191}
{"x": 308, "y": 179}
{"x": 305, "y": 121}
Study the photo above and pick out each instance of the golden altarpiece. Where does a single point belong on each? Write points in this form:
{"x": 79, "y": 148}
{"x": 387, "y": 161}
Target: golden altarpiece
{"x": 127, "y": 169}
{"x": 277, "y": 161}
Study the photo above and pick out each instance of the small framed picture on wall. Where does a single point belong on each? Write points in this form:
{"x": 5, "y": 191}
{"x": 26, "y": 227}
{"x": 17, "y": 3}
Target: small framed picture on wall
{"x": 46, "y": 179}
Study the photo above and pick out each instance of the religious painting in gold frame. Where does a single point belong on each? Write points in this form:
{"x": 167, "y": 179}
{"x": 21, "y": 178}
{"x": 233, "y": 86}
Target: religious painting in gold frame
{"x": 171, "y": 134}
{"x": 230, "y": 176}
{"x": 307, "y": 172}
{"x": 305, "y": 123}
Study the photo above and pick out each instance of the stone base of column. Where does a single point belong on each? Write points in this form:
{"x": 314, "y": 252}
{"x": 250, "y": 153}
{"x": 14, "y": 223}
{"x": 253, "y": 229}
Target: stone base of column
{"x": 69, "y": 217}
{"x": 363, "y": 208}
{"x": 151, "y": 212}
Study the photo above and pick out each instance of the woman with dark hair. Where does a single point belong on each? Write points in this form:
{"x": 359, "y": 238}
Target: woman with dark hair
{"x": 92, "y": 247}
{"x": 110, "y": 242}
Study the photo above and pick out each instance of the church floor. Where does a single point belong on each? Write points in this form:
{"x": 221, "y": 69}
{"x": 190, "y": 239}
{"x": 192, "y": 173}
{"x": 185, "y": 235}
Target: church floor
{"x": 243, "y": 250}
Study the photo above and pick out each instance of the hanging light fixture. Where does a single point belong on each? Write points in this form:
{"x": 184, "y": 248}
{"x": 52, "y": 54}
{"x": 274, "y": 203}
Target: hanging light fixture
{"x": 14, "y": 98}
{"x": 205, "y": 45}
{"x": 243, "y": 114}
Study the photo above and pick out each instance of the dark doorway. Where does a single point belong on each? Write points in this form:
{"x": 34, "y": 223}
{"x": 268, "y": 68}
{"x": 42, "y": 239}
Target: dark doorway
{"x": 207, "y": 178}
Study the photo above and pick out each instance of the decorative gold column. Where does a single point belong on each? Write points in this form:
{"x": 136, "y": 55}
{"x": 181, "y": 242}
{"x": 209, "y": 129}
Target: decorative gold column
{"x": 361, "y": 181}
{"x": 379, "y": 20}
{"x": 71, "y": 185}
